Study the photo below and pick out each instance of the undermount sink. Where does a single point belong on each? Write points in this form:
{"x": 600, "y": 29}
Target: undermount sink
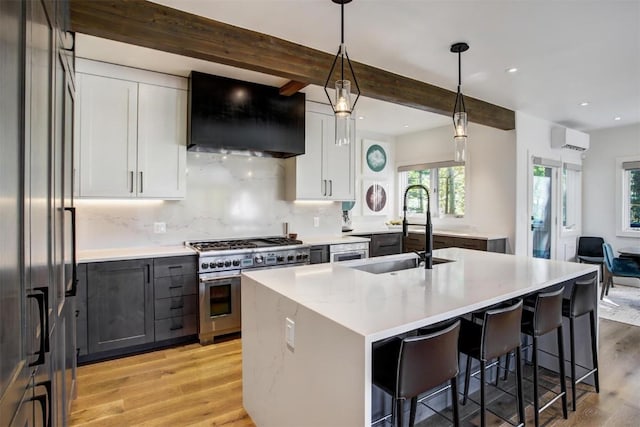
{"x": 395, "y": 265}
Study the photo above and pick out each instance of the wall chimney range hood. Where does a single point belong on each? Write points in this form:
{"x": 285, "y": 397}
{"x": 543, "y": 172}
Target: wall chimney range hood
{"x": 235, "y": 117}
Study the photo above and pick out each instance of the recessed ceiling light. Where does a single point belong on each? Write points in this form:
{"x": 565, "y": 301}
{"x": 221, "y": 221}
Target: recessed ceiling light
{"x": 584, "y": 104}
{"x": 617, "y": 118}
{"x": 406, "y": 126}
{"x": 512, "y": 70}
{"x": 360, "y": 117}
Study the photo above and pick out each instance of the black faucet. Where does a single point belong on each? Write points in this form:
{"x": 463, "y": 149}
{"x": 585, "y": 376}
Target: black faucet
{"x": 428, "y": 234}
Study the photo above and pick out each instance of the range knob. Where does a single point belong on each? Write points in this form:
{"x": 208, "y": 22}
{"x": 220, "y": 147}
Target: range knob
{"x": 212, "y": 265}
{"x": 298, "y": 257}
{"x": 280, "y": 259}
{"x": 290, "y": 258}
{"x": 259, "y": 259}
{"x": 236, "y": 262}
{"x": 220, "y": 264}
{"x": 305, "y": 256}
{"x": 227, "y": 263}
{"x": 204, "y": 265}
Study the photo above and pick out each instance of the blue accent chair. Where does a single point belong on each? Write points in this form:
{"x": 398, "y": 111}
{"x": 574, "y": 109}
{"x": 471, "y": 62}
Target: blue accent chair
{"x": 621, "y": 267}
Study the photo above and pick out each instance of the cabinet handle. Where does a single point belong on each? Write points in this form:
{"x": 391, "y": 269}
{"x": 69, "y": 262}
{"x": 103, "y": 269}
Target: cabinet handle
{"x": 148, "y": 273}
{"x": 176, "y": 327}
{"x": 324, "y": 187}
{"x": 42, "y": 298}
{"x": 131, "y": 181}
{"x": 141, "y": 181}
{"x": 331, "y": 187}
{"x": 74, "y": 271}
{"x": 45, "y": 402}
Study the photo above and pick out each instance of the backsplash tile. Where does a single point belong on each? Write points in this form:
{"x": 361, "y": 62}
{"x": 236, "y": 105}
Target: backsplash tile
{"x": 227, "y": 197}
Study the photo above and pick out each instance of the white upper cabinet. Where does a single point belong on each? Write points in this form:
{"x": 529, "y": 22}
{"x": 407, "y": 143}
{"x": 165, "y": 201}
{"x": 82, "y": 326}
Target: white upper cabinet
{"x": 131, "y": 133}
{"x": 325, "y": 171}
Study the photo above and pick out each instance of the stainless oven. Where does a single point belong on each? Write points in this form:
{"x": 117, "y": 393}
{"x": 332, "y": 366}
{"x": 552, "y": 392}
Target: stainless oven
{"x": 219, "y": 304}
{"x": 348, "y": 251}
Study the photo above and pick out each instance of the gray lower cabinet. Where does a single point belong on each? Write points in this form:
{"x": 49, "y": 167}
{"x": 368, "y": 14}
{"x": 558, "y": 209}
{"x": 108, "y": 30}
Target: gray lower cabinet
{"x": 382, "y": 244}
{"x": 415, "y": 242}
{"x": 176, "y": 297}
{"x": 119, "y": 304}
{"x": 128, "y": 306}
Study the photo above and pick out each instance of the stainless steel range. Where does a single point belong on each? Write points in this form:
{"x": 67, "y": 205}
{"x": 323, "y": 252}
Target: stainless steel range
{"x": 219, "y": 267}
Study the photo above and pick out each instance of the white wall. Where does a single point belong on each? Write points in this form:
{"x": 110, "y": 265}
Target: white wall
{"x": 533, "y": 137}
{"x": 223, "y": 201}
{"x": 599, "y": 178}
{"x": 490, "y": 172}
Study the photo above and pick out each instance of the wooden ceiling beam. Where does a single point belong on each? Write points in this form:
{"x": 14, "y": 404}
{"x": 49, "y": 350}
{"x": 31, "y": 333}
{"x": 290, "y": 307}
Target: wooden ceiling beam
{"x": 154, "y": 26}
{"x": 291, "y": 87}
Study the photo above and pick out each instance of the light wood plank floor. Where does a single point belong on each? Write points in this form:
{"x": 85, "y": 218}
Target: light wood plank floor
{"x": 202, "y": 386}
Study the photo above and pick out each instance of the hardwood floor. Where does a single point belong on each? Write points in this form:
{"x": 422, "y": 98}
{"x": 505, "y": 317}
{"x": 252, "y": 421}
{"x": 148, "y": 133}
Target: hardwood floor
{"x": 202, "y": 386}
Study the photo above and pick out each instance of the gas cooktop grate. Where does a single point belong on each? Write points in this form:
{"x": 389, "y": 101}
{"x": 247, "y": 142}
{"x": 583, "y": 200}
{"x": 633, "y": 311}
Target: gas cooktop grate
{"x": 225, "y": 245}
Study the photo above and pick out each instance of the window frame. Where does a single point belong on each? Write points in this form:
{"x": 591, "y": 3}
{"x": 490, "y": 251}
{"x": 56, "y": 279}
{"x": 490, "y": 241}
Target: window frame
{"x": 434, "y": 189}
{"x": 623, "y": 228}
{"x": 575, "y": 199}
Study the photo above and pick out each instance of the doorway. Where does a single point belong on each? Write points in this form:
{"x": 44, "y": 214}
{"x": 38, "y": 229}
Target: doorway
{"x": 543, "y": 190}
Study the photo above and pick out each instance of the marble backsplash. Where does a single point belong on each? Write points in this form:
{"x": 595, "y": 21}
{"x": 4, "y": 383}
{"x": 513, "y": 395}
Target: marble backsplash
{"x": 227, "y": 197}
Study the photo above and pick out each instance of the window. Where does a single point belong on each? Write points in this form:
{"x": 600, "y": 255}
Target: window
{"x": 631, "y": 192}
{"x": 571, "y": 193}
{"x": 446, "y": 184}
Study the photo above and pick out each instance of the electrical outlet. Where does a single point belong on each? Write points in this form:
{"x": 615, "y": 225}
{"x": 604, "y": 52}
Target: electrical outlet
{"x": 316, "y": 221}
{"x": 289, "y": 333}
{"x": 159, "y": 227}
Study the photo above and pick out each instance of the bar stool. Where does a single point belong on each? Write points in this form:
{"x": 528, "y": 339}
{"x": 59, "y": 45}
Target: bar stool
{"x": 405, "y": 368}
{"x": 545, "y": 317}
{"x": 583, "y": 301}
{"x": 498, "y": 335}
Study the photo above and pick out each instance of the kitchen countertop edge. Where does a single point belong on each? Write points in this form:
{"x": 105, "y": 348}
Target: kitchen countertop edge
{"x": 122, "y": 254}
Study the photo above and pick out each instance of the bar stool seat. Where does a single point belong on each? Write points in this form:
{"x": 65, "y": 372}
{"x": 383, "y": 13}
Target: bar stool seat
{"x": 405, "y": 368}
{"x": 546, "y": 317}
{"x": 498, "y": 335}
{"x": 583, "y": 301}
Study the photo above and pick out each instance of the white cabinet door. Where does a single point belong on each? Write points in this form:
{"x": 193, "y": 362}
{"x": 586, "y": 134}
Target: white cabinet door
{"x": 339, "y": 171}
{"x": 162, "y": 136}
{"x": 107, "y": 114}
{"x": 309, "y": 166}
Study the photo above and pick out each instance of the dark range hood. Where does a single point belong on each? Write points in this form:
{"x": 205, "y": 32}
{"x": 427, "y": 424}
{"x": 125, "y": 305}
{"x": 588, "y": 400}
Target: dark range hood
{"x": 237, "y": 117}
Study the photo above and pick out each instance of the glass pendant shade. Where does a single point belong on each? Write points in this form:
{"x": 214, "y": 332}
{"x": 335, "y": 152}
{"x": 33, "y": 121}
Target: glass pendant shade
{"x": 343, "y": 129}
{"x": 460, "y": 148}
{"x": 460, "y": 124}
{"x": 343, "y": 112}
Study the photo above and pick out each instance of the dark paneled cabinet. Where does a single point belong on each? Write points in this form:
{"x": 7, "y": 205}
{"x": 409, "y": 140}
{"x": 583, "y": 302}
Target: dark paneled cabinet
{"x": 37, "y": 309}
{"x": 381, "y": 244}
{"x": 415, "y": 242}
{"x": 134, "y": 305}
{"x": 119, "y": 304}
{"x": 319, "y": 254}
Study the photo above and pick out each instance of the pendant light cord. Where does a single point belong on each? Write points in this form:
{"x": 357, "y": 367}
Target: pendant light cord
{"x": 342, "y": 48}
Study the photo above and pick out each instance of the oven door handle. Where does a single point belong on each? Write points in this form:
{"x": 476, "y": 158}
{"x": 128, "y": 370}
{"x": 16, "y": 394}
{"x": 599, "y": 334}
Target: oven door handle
{"x": 205, "y": 280}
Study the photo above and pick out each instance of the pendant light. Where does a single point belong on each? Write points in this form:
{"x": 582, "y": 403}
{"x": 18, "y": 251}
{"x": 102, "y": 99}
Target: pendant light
{"x": 342, "y": 106}
{"x": 459, "y": 111}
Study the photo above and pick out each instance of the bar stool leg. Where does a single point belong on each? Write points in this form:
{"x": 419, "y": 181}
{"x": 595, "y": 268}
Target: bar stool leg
{"x": 467, "y": 378}
{"x": 563, "y": 382}
{"x": 454, "y": 401}
{"x": 399, "y": 412}
{"x": 520, "y": 393}
{"x": 594, "y": 350}
{"x": 412, "y": 412}
{"x": 536, "y": 404}
{"x": 573, "y": 362}
{"x": 483, "y": 421}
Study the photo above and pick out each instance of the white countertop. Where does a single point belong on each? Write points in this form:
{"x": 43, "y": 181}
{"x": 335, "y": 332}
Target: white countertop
{"x": 378, "y": 306}
{"x": 332, "y": 240}
{"x": 420, "y": 230}
{"x": 118, "y": 254}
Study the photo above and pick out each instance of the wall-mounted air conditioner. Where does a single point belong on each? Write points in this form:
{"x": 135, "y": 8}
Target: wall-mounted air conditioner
{"x": 562, "y": 137}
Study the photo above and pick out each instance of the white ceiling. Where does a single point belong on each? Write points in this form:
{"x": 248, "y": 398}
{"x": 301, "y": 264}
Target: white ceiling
{"x": 566, "y": 51}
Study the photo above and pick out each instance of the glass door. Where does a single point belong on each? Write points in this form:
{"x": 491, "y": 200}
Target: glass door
{"x": 543, "y": 190}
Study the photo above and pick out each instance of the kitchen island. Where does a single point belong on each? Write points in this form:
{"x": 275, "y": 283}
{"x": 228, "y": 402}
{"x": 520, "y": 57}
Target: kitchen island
{"x": 308, "y": 331}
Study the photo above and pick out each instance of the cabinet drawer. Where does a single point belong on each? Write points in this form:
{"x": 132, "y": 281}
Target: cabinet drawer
{"x": 175, "y": 266}
{"x": 476, "y": 244}
{"x": 176, "y": 327}
{"x": 176, "y": 307}
{"x": 386, "y": 244}
{"x": 175, "y": 286}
